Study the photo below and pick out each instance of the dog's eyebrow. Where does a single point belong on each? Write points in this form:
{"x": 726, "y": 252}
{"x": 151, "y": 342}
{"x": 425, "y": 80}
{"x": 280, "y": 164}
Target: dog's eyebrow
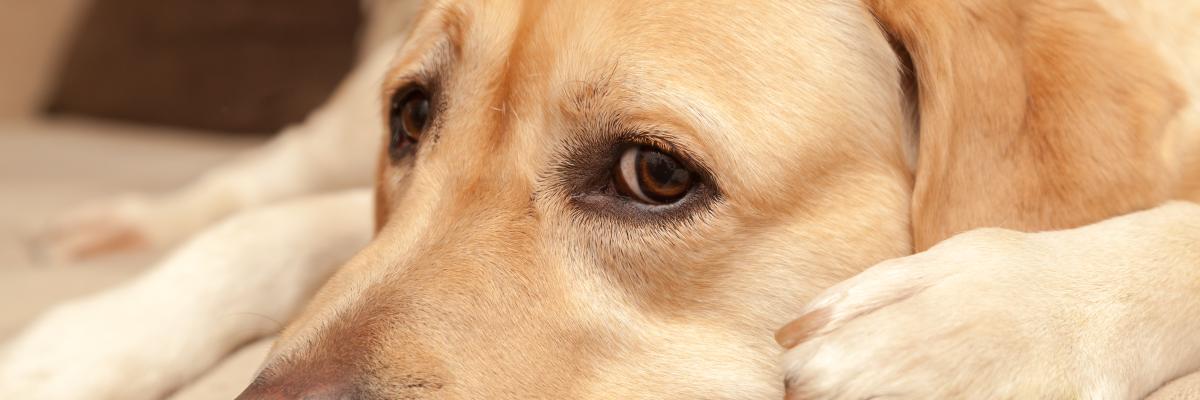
{"x": 430, "y": 48}
{"x": 422, "y": 67}
{"x": 679, "y": 105}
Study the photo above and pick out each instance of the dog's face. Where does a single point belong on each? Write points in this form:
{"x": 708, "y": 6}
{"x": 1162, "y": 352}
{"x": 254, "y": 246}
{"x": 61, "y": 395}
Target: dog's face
{"x": 612, "y": 199}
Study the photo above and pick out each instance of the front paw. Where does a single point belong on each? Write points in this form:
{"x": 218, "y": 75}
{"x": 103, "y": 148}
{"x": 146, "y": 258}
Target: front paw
{"x": 104, "y": 347}
{"x": 974, "y": 318}
{"x": 99, "y": 228}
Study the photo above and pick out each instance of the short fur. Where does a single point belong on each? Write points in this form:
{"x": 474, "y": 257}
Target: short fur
{"x": 838, "y": 135}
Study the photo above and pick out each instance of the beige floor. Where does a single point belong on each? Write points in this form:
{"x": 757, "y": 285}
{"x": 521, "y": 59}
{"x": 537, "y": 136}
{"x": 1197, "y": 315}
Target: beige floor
{"x": 50, "y": 165}
{"x": 47, "y": 166}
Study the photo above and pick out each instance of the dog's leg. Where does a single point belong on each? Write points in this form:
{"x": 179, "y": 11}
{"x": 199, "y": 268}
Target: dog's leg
{"x": 235, "y": 282}
{"x": 1105, "y": 311}
{"x": 334, "y": 148}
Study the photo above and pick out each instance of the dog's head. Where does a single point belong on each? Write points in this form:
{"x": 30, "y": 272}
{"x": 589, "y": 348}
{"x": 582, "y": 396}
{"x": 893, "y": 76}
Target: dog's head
{"x": 623, "y": 199}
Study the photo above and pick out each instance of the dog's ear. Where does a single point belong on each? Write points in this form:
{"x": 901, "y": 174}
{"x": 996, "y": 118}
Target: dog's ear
{"x": 1033, "y": 115}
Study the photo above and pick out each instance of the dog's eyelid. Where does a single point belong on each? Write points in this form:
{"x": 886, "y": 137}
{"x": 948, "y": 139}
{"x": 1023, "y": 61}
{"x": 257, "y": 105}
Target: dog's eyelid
{"x": 425, "y": 70}
{"x": 406, "y": 82}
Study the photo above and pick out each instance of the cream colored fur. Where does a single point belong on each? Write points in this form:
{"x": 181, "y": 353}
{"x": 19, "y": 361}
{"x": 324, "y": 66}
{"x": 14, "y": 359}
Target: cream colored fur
{"x": 1002, "y": 314}
{"x": 483, "y": 282}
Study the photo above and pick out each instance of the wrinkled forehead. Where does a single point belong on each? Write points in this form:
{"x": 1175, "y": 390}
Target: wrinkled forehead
{"x": 717, "y": 74}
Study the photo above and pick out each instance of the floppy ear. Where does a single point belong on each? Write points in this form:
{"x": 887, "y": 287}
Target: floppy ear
{"x": 1034, "y": 115}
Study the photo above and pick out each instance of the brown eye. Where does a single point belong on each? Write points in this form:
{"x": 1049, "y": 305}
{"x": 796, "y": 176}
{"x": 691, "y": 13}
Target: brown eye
{"x": 651, "y": 176}
{"x": 409, "y": 118}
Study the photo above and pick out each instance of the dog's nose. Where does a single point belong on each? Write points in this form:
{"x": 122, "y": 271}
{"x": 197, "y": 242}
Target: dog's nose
{"x": 300, "y": 390}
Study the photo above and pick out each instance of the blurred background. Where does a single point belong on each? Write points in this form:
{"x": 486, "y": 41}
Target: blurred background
{"x": 244, "y": 67}
{"x": 102, "y": 97}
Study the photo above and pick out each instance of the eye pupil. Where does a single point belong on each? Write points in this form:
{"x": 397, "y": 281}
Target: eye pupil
{"x": 651, "y": 176}
{"x": 661, "y": 177}
{"x": 415, "y": 116}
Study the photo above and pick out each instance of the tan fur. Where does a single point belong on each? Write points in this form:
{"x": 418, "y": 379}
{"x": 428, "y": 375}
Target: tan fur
{"x": 840, "y": 134}
{"x": 485, "y": 281}
{"x": 482, "y": 256}
{"x": 1034, "y": 114}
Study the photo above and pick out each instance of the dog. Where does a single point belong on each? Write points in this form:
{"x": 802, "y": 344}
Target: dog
{"x": 628, "y": 199}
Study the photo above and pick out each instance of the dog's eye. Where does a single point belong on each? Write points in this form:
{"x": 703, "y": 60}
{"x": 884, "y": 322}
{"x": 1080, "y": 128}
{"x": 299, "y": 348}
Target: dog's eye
{"x": 651, "y": 176}
{"x": 409, "y": 117}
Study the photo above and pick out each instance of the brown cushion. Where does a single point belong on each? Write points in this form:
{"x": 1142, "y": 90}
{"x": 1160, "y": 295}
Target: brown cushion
{"x": 231, "y": 65}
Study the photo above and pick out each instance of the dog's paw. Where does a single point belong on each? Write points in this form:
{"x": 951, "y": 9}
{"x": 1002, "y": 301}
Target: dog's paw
{"x": 99, "y": 228}
{"x": 973, "y": 318}
{"x": 94, "y": 349}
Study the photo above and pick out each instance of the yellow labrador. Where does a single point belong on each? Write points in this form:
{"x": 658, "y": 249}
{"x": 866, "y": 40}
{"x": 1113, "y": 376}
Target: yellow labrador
{"x": 625, "y": 199}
